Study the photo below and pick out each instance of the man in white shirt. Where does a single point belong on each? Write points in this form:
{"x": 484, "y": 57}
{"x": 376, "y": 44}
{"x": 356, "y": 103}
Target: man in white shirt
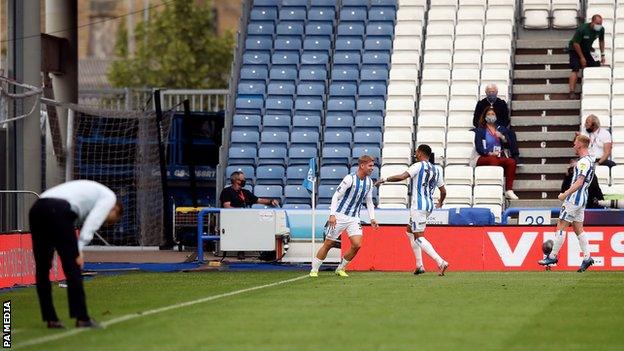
{"x": 345, "y": 214}
{"x": 52, "y": 221}
{"x": 600, "y": 143}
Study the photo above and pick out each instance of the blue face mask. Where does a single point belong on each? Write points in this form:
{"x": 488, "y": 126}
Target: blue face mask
{"x": 491, "y": 97}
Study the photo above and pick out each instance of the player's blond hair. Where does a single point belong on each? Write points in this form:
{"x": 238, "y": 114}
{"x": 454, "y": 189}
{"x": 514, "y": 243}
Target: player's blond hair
{"x": 583, "y": 139}
{"x": 365, "y": 159}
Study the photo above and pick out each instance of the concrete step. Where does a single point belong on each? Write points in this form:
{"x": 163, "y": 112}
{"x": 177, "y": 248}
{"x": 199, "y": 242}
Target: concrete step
{"x": 541, "y": 169}
{"x": 545, "y": 203}
{"x": 544, "y": 136}
{"x": 547, "y": 152}
{"x": 537, "y": 185}
{"x": 546, "y": 105}
{"x": 541, "y": 59}
{"x": 543, "y": 88}
{"x": 541, "y": 44}
{"x": 541, "y": 74}
{"x": 545, "y": 120}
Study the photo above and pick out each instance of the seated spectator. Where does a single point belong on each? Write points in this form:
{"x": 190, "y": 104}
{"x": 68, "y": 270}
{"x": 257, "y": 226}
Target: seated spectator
{"x": 502, "y": 117}
{"x": 235, "y": 196}
{"x": 490, "y": 140}
{"x": 600, "y": 143}
{"x": 594, "y": 193}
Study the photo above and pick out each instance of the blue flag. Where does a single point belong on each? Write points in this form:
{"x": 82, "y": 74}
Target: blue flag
{"x": 311, "y": 177}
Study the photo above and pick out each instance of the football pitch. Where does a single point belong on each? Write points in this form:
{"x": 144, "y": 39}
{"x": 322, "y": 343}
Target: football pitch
{"x": 286, "y": 310}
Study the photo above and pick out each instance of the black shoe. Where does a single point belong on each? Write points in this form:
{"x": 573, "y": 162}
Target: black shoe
{"x": 55, "y": 325}
{"x": 90, "y": 323}
{"x": 586, "y": 264}
{"x": 572, "y": 96}
{"x": 419, "y": 270}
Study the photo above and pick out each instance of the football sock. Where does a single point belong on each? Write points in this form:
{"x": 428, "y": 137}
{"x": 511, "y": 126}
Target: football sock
{"x": 417, "y": 250}
{"x": 316, "y": 264}
{"x": 343, "y": 264}
{"x": 429, "y": 250}
{"x": 584, "y": 243}
{"x": 559, "y": 238}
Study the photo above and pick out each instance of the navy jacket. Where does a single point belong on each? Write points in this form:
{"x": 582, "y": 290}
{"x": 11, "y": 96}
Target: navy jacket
{"x": 480, "y": 136}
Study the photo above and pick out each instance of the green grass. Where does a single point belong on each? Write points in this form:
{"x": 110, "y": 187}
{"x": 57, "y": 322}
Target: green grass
{"x": 367, "y": 311}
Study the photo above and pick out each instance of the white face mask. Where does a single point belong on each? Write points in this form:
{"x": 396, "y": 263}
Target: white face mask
{"x": 490, "y": 119}
{"x": 597, "y": 27}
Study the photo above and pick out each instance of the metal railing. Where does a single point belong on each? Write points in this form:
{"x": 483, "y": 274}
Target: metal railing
{"x": 9, "y": 208}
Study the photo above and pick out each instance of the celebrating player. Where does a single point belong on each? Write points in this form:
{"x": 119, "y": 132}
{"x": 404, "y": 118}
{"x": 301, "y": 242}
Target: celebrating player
{"x": 573, "y": 208}
{"x": 425, "y": 178}
{"x": 345, "y": 214}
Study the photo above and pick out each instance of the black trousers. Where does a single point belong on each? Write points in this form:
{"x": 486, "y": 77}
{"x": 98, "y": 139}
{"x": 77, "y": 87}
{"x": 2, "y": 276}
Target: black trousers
{"x": 52, "y": 226}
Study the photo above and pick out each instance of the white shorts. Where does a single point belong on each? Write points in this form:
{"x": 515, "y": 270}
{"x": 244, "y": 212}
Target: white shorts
{"x": 352, "y": 225}
{"x": 572, "y": 213}
{"x": 418, "y": 220}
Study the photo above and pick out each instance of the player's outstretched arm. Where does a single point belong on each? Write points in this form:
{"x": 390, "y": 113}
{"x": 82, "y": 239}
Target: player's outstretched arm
{"x": 393, "y": 179}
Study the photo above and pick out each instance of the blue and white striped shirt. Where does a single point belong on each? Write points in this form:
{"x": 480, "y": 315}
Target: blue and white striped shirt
{"x": 584, "y": 167}
{"x": 350, "y": 195}
{"x": 425, "y": 179}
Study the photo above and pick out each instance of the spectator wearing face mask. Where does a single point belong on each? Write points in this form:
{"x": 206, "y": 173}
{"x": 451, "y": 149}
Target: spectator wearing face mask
{"x": 580, "y": 49}
{"x": 490, "y": 140}
{"x": 236, "y": 196}
{"x": 502, "y": 117}
{"x": 600, "y": 143}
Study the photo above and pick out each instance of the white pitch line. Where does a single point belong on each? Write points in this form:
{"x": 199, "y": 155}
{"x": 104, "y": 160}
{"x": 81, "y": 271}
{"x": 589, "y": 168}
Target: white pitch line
{"x": 127, "y": 317}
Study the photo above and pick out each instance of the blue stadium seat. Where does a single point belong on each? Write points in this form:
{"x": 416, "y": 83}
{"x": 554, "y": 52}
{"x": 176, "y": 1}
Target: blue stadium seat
{"x": 263, "y": 13}
{"x": 278, "y": 104}
{"x": 292, "y": 13}
{"x": 270, "y": 175}
{"x": 266, "y": 2}
{"x": 308, "y": 122}
{"x": 374, "y": 175}
{"x": 272, "y": 155}
{"x": 371, "y": 104}
{"x": 351, "y": 28}
{"x": 353, "y": 13}
{"x": 311, "y": 88}
{"x": 337, "y": 136}
{"x": 333, "y": 174}
{"x": 295, "y": 206}
{"x": 305, "y": 137}
{"x": 374, "y": 151}
{"x": 301, "y": 154}
{"x": 275, "y": 138}
{"x": 245, "y": 137}
{"x": 312, "y": 72}
{"x": 320, "y": 28}
{"x": 326, "y": 3}
{"x": 290, "y": 28}
{"x": 249, "y": 104}
{"x": 325, "y": 193}
{"x": 276, "y": 122}
{"x": 268, "y": 191}
{"x": 369, "y": 120}
{"x": 247, "y": 121}
{"x": 376, "y": 58}
{"x": 260, "y": 207}
{"x": 295, "y": 3}
{"x": 373, "y": 72}
{"x": 347, "y": 57}
{"x": 242, "y": 155}
{"x": 258, "y": 42}
{"x": 260, "y": 28}
{"x": 247, "y": 170}
{"x": 338, "y": 120}
{"x": 317, "y": 43}
{"x": 309, "y": 103}
{"x": 380, "y": 28}
{"x": 391, "y": 3}
{"x": 287, "y": 42}
{"x": 345, "y": 72}
{"x": 296, "y": 174}
{"x": 350, "y": 43}
{"x": 279, "y": 87}
{"x": 382, "y": 13}
{"x": 256, "y": 58}
{"x": 285, "y": 58}
{"x": 314, "y": 58}
{"x": 296, "y": 196}
{"x": 355, "y": 2}
{"x": 343, "y": 88}
{"x": 251, "y": 87}
{"x": 283, "y": 72}
{"x": 322, "y": 14}
{"x": 254, "y": 72}
{"x": 363, "y": 136}
{"x": 372, "y": 88}
{"x": 378, "y": 43}
{"x": 340, "y": 104}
